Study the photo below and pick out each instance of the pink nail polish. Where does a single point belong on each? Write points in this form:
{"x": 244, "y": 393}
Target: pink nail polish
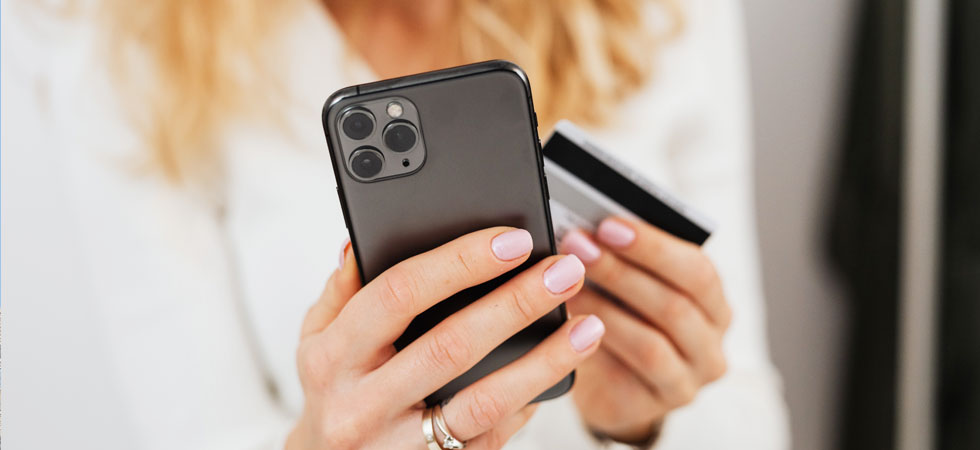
{"x": 512, "y": 244}
{"x": 615, "y": 233}
{"x": 586, "y": 333}
{"x": 563, "y": 274}
{"x": 343, "y": 251}
{"x": 576, "y": 243}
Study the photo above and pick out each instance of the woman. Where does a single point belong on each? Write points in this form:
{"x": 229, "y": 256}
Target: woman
{"x": 206, "y": 257}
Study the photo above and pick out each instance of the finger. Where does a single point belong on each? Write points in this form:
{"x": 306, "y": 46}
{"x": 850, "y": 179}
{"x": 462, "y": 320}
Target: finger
{"x": 676, "y": 261}
{"x": 383, "y": 308}
{"x": 643, "y": 348}
{"x": 401, "y": 432}
{"x": 482, "y": 405}
{"x": 340, "y": 287}
{"x": 660, "y": 304}
{"x": 405, "y": 431}
{"x": 497, "y": 437}
{"x": 460, "y": 341}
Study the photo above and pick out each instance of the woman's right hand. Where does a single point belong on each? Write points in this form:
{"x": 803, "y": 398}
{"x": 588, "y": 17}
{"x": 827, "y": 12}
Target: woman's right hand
{"x": 360, "y": 393}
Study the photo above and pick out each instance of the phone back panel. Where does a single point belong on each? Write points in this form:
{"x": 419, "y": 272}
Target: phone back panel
{"x": 483, "y": 168}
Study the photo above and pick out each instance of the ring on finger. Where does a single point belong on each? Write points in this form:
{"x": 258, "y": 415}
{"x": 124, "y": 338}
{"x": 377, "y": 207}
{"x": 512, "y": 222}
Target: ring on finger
{"x": 428, "y": 432}
{"x": 450, "y": 442}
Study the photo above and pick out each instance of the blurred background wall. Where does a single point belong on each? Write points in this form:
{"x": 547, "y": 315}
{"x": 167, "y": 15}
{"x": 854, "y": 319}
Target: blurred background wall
{"x": 799, "y": 53}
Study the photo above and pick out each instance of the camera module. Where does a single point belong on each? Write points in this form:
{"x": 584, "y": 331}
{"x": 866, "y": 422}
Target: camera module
{"x": 379, "y": 139}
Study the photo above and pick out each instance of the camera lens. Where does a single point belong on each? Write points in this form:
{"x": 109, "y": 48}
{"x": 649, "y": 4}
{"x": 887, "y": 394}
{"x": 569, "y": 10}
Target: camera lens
{"x": 366, "y": 162}
{"x": 358, "y": 125}
{"x": 400, "y": 137}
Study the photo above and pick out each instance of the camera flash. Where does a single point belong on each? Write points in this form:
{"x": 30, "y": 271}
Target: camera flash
{"x": 395, "y": 110}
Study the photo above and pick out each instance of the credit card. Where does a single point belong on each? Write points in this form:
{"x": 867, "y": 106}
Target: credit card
{"x": 588, "y": 185}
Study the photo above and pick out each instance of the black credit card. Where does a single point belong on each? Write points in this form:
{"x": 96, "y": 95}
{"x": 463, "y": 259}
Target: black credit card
{"x": 587, "y": 185}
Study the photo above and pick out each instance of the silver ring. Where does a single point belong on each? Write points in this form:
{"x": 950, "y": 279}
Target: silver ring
{"x": 450, "y": 442}
{"x": 427, "y": 431}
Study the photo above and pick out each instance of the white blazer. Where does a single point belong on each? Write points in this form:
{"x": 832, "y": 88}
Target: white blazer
{"x": 140, "y": 315}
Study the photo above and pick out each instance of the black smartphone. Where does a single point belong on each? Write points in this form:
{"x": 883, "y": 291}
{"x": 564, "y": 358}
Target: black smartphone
{"x": 423, "y": 159}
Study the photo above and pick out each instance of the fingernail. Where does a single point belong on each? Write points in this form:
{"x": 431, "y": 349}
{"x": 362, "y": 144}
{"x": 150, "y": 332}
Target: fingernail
{"x": 343, "y": 251}
{"x": 615, "y": 233}
{"x": 512, "y": 244}
{"x": 576, "y": 243}
{"x": 563, "y": 274}
{"x": 586, "y": 333}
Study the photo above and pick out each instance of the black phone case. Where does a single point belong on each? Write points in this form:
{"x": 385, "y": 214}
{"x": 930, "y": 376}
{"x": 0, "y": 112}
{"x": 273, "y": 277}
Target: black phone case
{"x": 483, "y": 168}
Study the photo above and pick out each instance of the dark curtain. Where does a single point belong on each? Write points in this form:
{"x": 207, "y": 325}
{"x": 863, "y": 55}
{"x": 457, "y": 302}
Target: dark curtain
{"x": 864, "y": 227}
{"x": 958, "y": 397}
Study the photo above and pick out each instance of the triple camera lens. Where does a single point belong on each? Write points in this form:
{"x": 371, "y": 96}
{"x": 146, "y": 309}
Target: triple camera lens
{"x": 366, "y": 162}
{"x": 379, "y": 134}
{"x": 358, "y": 125}
{"x": 400, "y": 137}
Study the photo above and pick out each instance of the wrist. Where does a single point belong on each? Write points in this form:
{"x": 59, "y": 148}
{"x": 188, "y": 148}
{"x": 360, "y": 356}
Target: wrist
{"x": 641, "y": 436}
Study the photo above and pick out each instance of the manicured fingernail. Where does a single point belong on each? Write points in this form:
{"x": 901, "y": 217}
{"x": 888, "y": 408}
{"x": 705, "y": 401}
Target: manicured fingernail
{"x": 576, "y": 243}
{"x": 512, "y": 244}
{"x": 343, "y": 251}
{"x": 563, "y": 274}
{"x": 615, "y": 233}
{"x": 586, "y": 333}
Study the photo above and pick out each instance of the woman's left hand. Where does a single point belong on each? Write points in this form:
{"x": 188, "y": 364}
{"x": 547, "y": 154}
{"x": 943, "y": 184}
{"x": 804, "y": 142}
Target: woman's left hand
{"x": 665, "y": 315}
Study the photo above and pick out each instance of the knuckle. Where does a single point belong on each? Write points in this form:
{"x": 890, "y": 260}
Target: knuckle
{"x": 557, "y": 363}
{"x": 719, "y": 369}
{"x": 398, "y": 295}
{"x": 448, "y": 349}
{"x": 704, "y": 274}
{"x": 717, "y": 366}
{"x": 494, "y": 440}
{"x": 313, "y": 364}
{"x": 677, "y": 310}
{"x": 725, "y": 316}
{"x": 655, "y": 242}
{"x": 652, "y": 354}
{"x": 467, "y": 265}
{"x": 685, "y": 392}
{"x": 523, "y": 306}
{"x": 304, "y": 365}
{"x": 484, "y": 410}
{"x": 611, "y": 271}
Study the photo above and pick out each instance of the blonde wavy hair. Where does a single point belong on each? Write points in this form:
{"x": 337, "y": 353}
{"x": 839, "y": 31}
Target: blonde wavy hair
{"x": 582, "y": 56}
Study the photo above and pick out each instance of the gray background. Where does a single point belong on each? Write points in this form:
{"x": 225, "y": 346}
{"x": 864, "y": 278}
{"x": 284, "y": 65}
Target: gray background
{"x": 798, "y": 54}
